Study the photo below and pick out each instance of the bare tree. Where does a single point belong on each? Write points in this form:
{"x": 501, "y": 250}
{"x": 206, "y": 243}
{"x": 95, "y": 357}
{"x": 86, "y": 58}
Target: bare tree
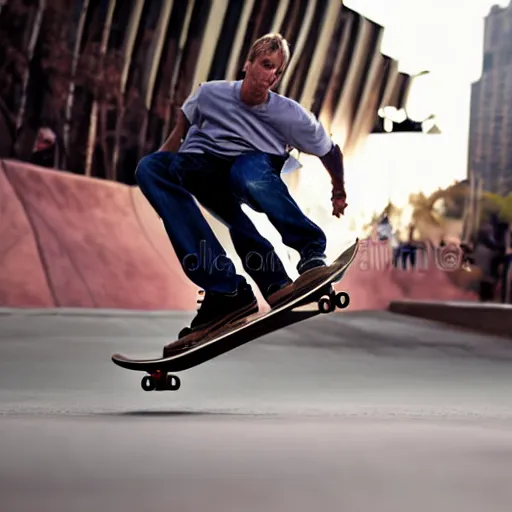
{"x": 72, "y": 82}
{"x": 34, "y": 35}
{"x": 99, "y": 99}
{"x": 122, "y": 99}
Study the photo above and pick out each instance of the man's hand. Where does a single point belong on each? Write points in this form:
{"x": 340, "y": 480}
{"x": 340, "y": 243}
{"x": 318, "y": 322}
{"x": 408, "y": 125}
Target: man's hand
{"x": 339, "y": 201}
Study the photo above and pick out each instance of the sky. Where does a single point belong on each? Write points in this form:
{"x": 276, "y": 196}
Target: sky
{"x": 442, "y": 36}
{"x": 446, "y": 38}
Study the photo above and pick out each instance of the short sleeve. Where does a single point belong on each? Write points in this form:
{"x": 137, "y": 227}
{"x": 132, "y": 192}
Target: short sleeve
{"x": 191, "y": 107}
{"x": 307, "y": 134}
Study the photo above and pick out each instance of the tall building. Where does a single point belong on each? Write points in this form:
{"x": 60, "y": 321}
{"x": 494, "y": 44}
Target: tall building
{"x": 490, "y": 134}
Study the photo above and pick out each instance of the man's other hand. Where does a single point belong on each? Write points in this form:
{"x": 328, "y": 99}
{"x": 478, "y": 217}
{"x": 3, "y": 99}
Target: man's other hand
{"x": 338, "y": 207}
{"x": 339, "y": 202}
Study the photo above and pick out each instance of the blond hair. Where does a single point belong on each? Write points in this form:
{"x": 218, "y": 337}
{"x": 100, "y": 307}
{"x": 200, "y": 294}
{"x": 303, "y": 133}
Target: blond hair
{"x": 270, "y": 43}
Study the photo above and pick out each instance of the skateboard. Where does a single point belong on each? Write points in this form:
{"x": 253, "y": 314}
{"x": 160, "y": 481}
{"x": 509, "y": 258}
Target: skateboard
{"x": 242, "y": 331}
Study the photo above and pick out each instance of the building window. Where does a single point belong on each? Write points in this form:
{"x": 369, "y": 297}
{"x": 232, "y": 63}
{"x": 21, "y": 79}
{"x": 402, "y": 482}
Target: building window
{"x": 488, "y": 61}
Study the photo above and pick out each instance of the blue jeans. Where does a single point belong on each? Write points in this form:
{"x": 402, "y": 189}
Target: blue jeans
{"x": 170, "y": 181}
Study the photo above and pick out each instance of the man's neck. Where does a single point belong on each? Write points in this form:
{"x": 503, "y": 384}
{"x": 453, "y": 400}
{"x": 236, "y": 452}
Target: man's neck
{"x": 249, "y": 97}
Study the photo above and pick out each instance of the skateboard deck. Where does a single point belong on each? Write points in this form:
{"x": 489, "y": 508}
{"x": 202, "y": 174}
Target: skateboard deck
{"x": 247, "y": 329}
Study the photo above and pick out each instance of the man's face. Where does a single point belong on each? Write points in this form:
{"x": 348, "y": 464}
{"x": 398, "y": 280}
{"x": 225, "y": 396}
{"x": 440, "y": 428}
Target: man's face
{"x": 266, "y": 70}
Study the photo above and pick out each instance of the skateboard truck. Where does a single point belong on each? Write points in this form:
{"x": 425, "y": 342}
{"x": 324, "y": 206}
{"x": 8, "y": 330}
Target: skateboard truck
{"x": 160, "y": 381}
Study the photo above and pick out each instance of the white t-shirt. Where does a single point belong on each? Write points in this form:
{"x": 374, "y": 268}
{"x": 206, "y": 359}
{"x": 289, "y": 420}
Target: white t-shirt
{"x": 221, "y": 123}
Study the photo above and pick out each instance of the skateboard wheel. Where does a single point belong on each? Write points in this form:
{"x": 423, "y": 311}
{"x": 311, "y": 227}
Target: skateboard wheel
{"x": 342, "y": 300}
{"x": 147, "y": 383}
{"x": 325, "y": 305}
{"x": 173, "y": 382}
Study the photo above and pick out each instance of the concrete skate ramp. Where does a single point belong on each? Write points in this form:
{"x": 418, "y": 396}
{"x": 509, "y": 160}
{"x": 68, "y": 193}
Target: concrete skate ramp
{"x": 72, "y": 241}
{"x": 22, "y": 276}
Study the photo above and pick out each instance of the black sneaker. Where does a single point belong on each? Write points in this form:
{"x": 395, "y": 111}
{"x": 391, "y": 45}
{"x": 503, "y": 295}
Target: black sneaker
{"x": 316, "y": 271}
{"x": 311, "y": 264}
{"x": 278, "y": 294}
{"x": 219, "y": 308}
{"x": 216, "y": 309}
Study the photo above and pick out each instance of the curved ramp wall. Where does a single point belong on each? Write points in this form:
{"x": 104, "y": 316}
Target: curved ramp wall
{"x": 87, "y": 243}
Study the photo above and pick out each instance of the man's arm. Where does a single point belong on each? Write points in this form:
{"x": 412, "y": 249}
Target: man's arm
{"x": 333, "y": 162}
{"x": 309, "y": 136}
{"x": 173, "y": 142}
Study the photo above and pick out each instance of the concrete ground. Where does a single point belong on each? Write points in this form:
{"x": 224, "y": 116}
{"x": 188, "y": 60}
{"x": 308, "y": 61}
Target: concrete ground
{"x": 353, "y": 411}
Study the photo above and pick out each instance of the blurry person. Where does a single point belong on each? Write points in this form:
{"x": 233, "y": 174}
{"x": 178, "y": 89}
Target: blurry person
{"x": 385, "y": 233}
{"x": 228, "y": 148}
{"x": 487, "y": 251}
{"x": 506, "y": 276}
{"x": 384, "y": 229}
{"x": 43, "y": 153}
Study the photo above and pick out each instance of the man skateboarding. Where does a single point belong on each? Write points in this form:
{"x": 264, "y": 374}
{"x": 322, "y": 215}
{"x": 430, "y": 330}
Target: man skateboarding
{"x": 228, "y": 148}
